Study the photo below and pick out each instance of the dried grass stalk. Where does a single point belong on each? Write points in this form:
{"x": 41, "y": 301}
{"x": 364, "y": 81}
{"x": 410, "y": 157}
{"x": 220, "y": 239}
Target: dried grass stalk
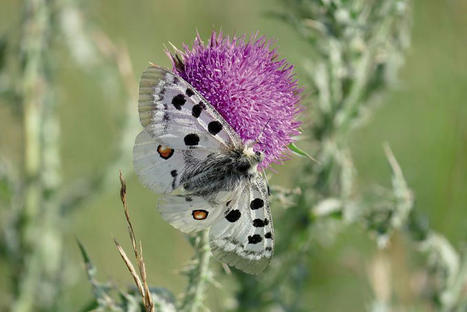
{"x": 141, "y": 278}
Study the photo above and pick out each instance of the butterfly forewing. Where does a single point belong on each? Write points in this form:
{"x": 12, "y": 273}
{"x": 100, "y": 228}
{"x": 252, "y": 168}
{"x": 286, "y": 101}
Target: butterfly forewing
{"x": 172, "y": 111}
{"x": 158, "y": 166}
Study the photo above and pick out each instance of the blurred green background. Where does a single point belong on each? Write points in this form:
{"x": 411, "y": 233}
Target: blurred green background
{"x": 424, "y": 119}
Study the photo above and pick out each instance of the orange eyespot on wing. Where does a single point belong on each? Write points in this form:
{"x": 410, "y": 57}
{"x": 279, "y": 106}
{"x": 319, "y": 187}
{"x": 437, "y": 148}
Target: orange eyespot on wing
{"x": 165, "y": 151}
{"x": 200, "y": 214}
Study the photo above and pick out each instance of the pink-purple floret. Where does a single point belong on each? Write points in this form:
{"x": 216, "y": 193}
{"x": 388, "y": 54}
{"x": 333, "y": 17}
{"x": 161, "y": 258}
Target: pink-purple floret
{"x": 250, "y": 87}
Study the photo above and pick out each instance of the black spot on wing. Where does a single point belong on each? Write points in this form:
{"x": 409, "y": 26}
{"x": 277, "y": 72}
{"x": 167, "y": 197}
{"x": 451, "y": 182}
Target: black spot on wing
{"x": 189, "y": 92}
{"x": 196, "y": 110}
{"x": 174, "y": 174}
{"x": 256, "y": 203}
{"x": 268, "y": 235}
{"x": 191, "y": 139}
{"x": 233, "y": 215}
{"x": 254, "y": 239}
{"x": 178, "y": 101}
{"x": 214, "y": 127}
{"x": 166, "y": 114}
{"x": 260, "y": 223}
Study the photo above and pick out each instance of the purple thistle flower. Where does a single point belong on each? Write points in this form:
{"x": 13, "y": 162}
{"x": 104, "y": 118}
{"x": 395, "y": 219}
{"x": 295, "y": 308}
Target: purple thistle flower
{"x": 254, "y": 92}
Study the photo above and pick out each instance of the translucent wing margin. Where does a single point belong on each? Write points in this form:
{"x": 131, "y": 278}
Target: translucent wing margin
{"x": 243, "y": 238}
{"x": 174, "y": 113}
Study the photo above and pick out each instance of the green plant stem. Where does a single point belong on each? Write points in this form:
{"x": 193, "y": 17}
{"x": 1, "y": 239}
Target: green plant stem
{"x": 40, "y": 244}
{"x": 198, "y": 275}
{"x": 454, "y": 296}
{"x": 34, "y": 86}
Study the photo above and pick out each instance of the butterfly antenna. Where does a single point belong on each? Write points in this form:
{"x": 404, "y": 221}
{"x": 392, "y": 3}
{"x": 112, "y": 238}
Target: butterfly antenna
{"x": 262, "y": 131}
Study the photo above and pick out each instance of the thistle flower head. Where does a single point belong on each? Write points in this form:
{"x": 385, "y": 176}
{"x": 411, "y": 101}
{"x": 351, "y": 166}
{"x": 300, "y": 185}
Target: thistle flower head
{"x": 249, "y": 86}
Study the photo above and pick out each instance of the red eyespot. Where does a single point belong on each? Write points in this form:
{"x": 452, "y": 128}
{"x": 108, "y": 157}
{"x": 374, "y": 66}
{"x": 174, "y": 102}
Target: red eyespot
{"x": 200, "y": 214}
{"x": 165, "y": 151}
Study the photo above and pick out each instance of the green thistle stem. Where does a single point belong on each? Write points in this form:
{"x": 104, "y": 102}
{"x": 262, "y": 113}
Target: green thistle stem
{"x": 40, "y": 244}
{"x": 34, "y": 86}
{"x": 34, "y": 94}
{"x": 199, "y": 274}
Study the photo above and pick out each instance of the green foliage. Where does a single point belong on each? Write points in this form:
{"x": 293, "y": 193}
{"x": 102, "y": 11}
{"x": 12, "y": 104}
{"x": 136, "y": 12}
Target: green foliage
{"x": 3, "y": 51}
{"x": 298, "y": 151}
{"x": 7, "y": 185}
{"x": 198, "y": 273}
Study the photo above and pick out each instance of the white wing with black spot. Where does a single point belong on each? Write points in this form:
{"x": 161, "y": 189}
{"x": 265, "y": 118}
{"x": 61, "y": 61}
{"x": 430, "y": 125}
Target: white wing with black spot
{"x": 174, "y": 113}
{"x": 243, "y": 238}
{"x": 160, "y": 167}
{"x": 189, "y": 213}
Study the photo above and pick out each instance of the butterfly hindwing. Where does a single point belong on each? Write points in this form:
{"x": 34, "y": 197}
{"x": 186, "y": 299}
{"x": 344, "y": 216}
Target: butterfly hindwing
{"x": 189, "y": 213}
{"x": 243, "y": 238}
{"x": 174, "y": 113}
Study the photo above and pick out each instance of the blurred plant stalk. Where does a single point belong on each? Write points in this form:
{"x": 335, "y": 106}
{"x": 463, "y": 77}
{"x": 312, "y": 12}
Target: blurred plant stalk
{"x": 35, "y": 228}
{"x": 37, "y": 232}
{"x": 34, "y": 87}
{"x": 198, "y": 273}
